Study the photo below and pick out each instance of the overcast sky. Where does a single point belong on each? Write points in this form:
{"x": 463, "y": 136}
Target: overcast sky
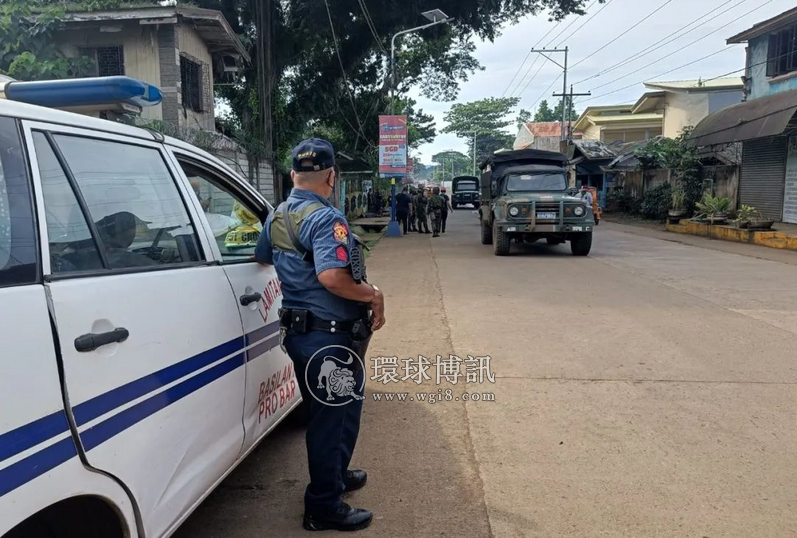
{"x": 502, "y": 58}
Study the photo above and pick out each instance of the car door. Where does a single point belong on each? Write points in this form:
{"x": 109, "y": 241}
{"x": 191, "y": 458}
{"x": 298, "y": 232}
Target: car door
{"x": 232, "y": 216}
{"x": 149, "y": 329}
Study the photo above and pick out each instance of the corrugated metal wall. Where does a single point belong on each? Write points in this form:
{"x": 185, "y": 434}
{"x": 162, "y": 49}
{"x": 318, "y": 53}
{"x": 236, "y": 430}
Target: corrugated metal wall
{"x": 764, "y": 175}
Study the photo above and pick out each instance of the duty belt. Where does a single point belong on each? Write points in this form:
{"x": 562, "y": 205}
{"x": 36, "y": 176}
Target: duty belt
{"x": 302, "y": 321}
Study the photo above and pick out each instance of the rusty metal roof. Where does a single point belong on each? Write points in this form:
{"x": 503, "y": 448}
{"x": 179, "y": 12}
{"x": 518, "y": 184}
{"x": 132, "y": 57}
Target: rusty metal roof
{"x": 759, "y": 118}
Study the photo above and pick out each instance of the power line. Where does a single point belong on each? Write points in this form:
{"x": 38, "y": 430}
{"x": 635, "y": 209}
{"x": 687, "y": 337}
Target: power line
{"x": 661, "y": 74}
{"x": 550, "y": 43}
{"x": 684, "y": 47}
{"x": 624, "y": 33}
{"x": 666, "y": 40}
{"x": 525, "y": 59}
{"x": 565, "y": 40}
{"x": 343, "y": 72}
{"x": 546, "y": 90}
{"x": 369, "y": 21}
{"x": 745, "y": 68}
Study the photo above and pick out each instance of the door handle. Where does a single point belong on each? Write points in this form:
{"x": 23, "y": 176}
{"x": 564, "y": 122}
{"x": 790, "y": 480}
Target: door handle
{"x": 246, "y": 300}
{"x": 92, "y": 341}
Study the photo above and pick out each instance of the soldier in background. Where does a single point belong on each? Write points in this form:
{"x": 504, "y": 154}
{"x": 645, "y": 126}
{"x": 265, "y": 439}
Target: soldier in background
{"x": 413, "y": 211}
{"x": 435, "y": 206}
{"x": 420, "y": 207}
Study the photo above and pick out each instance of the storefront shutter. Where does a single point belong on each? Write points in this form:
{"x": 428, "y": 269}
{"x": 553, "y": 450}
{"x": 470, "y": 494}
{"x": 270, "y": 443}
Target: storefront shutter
{"x": 764, "y": 175}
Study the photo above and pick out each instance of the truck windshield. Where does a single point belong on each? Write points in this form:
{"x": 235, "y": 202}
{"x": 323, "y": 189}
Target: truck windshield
{"x": 466, "y": 186}
{"x": 549, "y": 181}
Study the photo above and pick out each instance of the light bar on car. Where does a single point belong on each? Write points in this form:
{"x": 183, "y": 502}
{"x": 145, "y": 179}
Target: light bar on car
{"x": 77, "y": 92}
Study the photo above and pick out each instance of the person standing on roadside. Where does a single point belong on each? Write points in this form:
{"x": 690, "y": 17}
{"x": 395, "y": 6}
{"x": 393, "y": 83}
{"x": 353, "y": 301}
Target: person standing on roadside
{"x": 403, "y": 208}
{"x": 436, "y": 211}
{"x": 446, "y": 208}
{"x": 328, "y": 306}
{"x": 420, "y": 206}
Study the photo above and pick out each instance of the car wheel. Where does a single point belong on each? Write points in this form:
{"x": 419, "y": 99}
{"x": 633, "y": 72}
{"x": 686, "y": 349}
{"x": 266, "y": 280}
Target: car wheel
{"x": 454, "y": 205}
{"x": 581, "y": 244}
{"x": 502, "y": 242}
{"x": 476, "y": 205}
{"x": 487, "y": 234}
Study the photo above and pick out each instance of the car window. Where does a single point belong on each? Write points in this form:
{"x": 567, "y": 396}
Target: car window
{"x": 72, "y": 248}
{"x": 133, "y": 202}
{"x": 466, "y": 186}
{"x": 18, "y": 252}
{"x": 235, "y": 227}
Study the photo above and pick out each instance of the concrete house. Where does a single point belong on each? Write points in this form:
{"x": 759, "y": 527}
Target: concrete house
{"x": 684, "y": 103}
{"x": 767, "y": 122}
{"x": 618, "y": 123}
{"x": 181, "y": 50}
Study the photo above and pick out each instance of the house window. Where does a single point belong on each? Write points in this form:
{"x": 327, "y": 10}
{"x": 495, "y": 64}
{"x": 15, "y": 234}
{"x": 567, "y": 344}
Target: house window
{"x": 782, "y": 57}
{"x": 191, "y": 79}
{"x": 108, "y": 61}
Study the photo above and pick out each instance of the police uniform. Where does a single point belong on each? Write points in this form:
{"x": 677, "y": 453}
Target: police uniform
{"x": 302, "y": 238}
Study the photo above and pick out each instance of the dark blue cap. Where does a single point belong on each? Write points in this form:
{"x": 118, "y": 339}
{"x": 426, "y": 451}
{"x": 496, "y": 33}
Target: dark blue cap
{"x": 312, "y": 155}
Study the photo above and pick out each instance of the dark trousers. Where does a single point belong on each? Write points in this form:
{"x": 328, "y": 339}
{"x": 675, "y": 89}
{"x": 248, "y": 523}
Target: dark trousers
{"x": 404, "y": 219}
{"x": 423, "y": 224}
{"x": 445, "y": 218}
{"x": 332, "y": 430}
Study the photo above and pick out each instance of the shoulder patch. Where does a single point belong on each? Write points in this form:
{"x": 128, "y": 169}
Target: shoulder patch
{"x": 341, "y": 233}
{"x": 342, "y": 253}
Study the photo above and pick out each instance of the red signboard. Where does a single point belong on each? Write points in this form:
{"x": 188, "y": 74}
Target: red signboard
{"x": 393, "y": 145}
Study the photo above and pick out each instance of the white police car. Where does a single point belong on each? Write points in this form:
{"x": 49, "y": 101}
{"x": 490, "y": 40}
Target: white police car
{"x": 140, "y": 352}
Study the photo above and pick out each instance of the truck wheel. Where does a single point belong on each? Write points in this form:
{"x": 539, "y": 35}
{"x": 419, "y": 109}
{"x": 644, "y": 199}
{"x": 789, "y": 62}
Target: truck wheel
{"x": 501, "y": 242}
{"x": 581, "y": 244}
{"x": 476, "y": 205}
{"x": 487, "y": 234}
{"x": 552, "y": 241}
{"x": 454, "y": 205}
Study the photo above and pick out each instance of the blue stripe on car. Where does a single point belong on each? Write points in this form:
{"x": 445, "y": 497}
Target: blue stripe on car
{"x": 40, "y": 430}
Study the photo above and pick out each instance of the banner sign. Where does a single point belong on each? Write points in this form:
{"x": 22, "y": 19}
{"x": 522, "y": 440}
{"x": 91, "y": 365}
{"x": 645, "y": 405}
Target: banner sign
{"x": 392, "y": 145}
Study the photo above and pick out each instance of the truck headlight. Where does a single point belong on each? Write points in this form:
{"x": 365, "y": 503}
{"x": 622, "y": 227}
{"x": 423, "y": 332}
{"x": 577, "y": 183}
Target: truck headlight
{"x": 514, "y": 211}
{"x": 579, "y": 211}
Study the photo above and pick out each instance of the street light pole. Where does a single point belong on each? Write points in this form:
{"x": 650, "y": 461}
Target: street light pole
{"x": 475, "y": 134}
{"x": 437, "y": 17}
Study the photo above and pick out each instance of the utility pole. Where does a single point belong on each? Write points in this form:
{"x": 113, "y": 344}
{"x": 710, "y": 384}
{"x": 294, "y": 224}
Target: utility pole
{"x": 567, "y": 104}
{"x": 544, "y": 53}
{"x": 475, "y": 134}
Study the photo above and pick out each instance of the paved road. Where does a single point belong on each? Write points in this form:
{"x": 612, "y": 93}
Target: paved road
{"x": 648, "y": 390}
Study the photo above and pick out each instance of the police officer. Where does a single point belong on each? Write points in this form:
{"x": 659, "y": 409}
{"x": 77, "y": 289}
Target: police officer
{"x": 328, "y": 310}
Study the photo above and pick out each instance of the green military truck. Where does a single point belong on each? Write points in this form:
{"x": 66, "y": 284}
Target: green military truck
{"x": 525, "y": 197}
{"x": 465, "y": 190}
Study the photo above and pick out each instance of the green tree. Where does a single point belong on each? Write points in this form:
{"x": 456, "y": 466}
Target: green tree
{"x": 487, "y": 119}
{"x": 345, "y": 88}
{"x": 557, "y": 112}
{"x": 27, "y": 48}
{"x": 544, "y": 113}
{"x": 452, "y": 164}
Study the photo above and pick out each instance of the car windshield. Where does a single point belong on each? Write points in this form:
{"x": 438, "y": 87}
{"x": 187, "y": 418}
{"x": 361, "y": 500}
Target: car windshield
{"x": 549, "y": 181}
{"x": 466, "y": 186}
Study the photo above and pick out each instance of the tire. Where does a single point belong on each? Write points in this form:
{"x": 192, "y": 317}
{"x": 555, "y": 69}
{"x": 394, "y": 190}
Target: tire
{"x": 553, "y": 241}
{"x": 502, "y": 242}
{"x": 581, "y": 244}
{"x": 487, "y": 233}
{"x": 454, "y": 205}
{"x": 476, "y": 205}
